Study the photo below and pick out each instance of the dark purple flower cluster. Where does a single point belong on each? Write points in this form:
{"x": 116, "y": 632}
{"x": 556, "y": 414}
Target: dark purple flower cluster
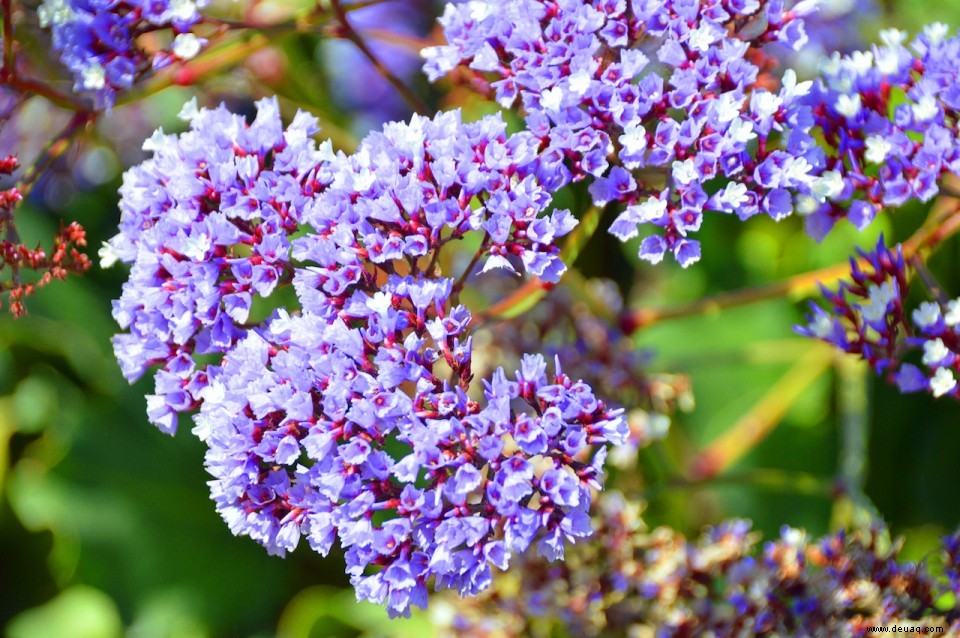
{"x": 888, "y": 118}
{"x": 652, "y": 100}
{"x": 356, "y": 418}
{"x": 868, "y": 317}
{"x": 633, "y": 582}
{"x": 97, "y": 39}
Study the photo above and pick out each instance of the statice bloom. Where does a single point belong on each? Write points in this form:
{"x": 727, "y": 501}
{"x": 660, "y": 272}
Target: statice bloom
{"x": 659, "y": 104}
{"x": 868, "y": 317}
{"x": 353, "y": 416}
{"x": 97, "y": 39}
{"x": 206, "y": 225}
{"x": 888, "y": 120}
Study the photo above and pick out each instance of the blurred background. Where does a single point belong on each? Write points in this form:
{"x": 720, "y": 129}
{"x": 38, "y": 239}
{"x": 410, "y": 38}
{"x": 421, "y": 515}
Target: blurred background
{"x": 106, "y": 527}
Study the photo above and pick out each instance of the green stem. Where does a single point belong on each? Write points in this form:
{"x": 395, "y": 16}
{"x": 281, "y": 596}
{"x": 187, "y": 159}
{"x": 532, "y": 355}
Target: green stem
{"x": 348, "y": 32}
{"x": 772, "y": 478}
{"x": 458, "y": 286}
{"x": 763, "y": 417}
{"x": 925, "y": 240}
{"x": 929, "y": 281}
{"x": 852, "y": 507}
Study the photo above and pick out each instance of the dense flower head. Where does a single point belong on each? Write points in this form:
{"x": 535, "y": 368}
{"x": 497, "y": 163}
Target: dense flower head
{"x": 660, "y": 104}
{"x": 888, "y": 118}
{"x": 353, "y": 415}
{"x": 97, "y": 39}
{"x": 206, "y": 224}
{"x": 633, "y": 581}
{"x": 869, "y": 317}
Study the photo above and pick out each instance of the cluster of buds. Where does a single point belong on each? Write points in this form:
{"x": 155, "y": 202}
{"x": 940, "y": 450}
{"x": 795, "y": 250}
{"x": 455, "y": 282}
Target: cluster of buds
{"x": 15, "y": 256}
{"x": 635, "y": 582}
{"x": 869, "y": 318}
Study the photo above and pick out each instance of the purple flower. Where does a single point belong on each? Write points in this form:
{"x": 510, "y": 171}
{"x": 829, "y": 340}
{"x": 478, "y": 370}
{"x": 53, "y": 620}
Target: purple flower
{"x": 582, "y": 73}
{"x": 362, "y": 400}
{"x": 869, "y": 319}
{"x": 98, "y": 41}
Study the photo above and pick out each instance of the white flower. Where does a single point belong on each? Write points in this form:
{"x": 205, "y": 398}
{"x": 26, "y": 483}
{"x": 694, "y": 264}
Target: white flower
{"x": 942, "y": 382}
{"x": 831, "y": 65}
{"x": 934, "y": 352}
{"x": 551, "y": 98}
{"x": 479, "y": 10}
{"x": 380, "y": 302}
{"x": 848, "y": 105}
{"x": 94, "y": 76}
{"x": 893, "y": 37}
{"x": 727, "y": 107}
{"x": 55, "y": 12}
{"x": 650, "y": 210}
{"x": 765, "y": 104}
{"x": 634, "y": 140}
{"x": 827, "y": 186}
{"x": 877, "y": 149}
{"x": 734, "y": 194}
{"x": 936, "y": 32}
{"x": 927, "y": 314}
{"x": 790, "y": 87}
{"x": 684, "y": 172}
{"x": 797, "y": 170}
{"x": 952, "y": 316}
{"x": 925, "y": 109}
{"x": 183, "y": 10}
{"x": 879, "y": 300}
{"x": 186, "y": 46}
{"x": 701, "y": 39}
{"x": 740, "y": 131}
{"x": 861, "y": 62}
{"x": 108, "y": 255}
{"x": 188, "y": 111}
{"x": 822, "y": 326}
{"x": 806, "y": 205}
{"x": 888, "y": 60}
{"x": 579, "y": 82}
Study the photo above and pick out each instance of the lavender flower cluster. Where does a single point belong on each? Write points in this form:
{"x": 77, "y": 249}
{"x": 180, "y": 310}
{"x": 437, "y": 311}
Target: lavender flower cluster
{"x": 635, "y": 582}
{"x": 97, "y": 39}
{"x": 352, "y": 414}
{"x": 888, "y": 117}
{"x": 868, "y": 317}
{"x": 666, "y": 87}
{"x": 664, "y": 107}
